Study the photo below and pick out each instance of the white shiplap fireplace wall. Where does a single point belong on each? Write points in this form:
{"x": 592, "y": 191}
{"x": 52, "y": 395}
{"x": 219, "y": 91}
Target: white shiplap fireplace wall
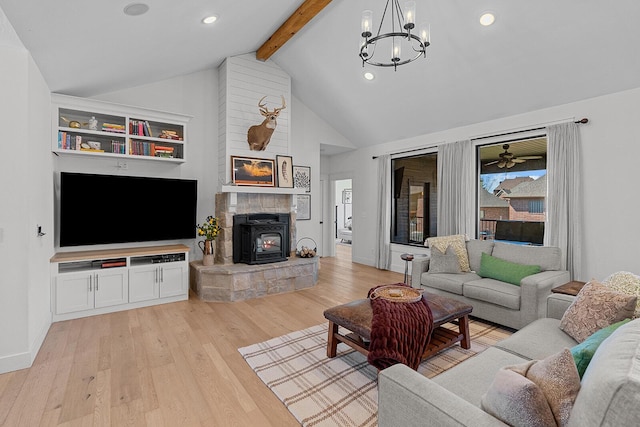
{"x": 243, "y": 81}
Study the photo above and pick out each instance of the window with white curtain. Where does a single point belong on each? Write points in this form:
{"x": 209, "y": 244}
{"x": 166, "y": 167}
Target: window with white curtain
{"x": 512, "y": 186}
{"x": 414, "y": 199}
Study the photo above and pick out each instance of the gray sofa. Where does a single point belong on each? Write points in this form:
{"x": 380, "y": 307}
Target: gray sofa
{"x": 493, "y": 300}
{"x": 609, "y": 393}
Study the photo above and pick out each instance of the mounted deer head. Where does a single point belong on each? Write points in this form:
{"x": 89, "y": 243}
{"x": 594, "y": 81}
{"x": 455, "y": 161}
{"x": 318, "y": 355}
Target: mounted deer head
{"x": 258, "y": 136}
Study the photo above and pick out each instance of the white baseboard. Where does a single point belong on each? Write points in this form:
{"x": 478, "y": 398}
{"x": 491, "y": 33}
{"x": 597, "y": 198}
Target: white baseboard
{"x": 24, "y": 360}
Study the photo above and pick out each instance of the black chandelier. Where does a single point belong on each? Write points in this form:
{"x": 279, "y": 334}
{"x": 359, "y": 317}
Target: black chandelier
{"x": 415, "y": 45}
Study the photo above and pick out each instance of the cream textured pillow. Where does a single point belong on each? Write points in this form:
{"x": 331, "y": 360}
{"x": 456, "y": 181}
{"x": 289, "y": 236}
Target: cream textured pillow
{"x": 596, "y": 306}
{"x": 457, "y": 242}
{"x": 627, "y": 283}
{"x": 536, "y": 393}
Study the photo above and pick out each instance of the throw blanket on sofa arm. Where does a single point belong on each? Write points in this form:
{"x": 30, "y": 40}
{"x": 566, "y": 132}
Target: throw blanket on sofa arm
{"x": 400, "y": 331}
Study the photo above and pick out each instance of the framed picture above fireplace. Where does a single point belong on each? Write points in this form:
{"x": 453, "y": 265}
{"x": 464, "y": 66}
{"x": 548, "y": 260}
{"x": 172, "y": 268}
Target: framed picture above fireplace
{"x": 302, "y": 177}
{"x": 252, "y": 171}
{"x": 285, "y": 171}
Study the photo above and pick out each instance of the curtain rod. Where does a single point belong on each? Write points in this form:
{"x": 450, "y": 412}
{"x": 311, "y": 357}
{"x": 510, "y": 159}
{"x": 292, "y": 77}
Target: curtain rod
{"x": 581, "y": 121}
{"x": 404, "y": 152}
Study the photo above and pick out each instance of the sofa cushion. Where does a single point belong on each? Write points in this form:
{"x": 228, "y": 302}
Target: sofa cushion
{"x": 493, "y": 291}
{"x": 627, "y": 283}
{"x": 457, "y": 241}
{"x": 610, "y": 389}
{"x": 470, "y": 379}
{"x": 583, "y": 352}
{"x": 547, "y": 257}
{"x": 539, "y": 392}
{"x": 537, "y": 340}
{"x": 595, "y": 307}
{"x": 505, "y": 271}
{"x": 447, "y": 282}
{"x": 475, "y": 249}
{"x": 446, "y": 262}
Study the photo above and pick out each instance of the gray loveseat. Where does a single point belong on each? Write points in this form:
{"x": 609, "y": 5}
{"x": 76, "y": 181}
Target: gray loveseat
{"x": 493, "y": 300}
{"x": 609, "y": 393}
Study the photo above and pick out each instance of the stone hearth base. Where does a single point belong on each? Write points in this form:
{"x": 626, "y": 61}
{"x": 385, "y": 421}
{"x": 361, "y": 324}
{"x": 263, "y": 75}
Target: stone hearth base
{"x": 239, "y": 282}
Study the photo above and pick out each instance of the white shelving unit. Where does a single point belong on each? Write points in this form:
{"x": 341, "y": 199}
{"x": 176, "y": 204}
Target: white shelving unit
{"x": 96, "y": 128}
{"x": 87, "y": 283}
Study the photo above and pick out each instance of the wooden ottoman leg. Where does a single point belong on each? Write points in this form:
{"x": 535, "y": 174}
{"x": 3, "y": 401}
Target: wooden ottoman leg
{"x": 463, "y": 324}
{"x": 332, "y": 342}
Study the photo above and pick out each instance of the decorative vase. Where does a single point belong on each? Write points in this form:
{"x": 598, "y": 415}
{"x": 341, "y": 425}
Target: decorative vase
{"x": 208, "y": 250}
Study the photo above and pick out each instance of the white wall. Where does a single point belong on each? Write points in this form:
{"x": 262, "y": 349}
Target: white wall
{"x": 610, "y": 153}
{"x": 26, "y": 196}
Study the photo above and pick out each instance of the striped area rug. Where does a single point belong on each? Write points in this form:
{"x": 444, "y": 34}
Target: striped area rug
{"x": 341, "y": 391}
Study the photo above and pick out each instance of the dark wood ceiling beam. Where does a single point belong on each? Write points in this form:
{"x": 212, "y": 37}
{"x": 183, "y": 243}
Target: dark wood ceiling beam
{"x": 305, "y": 13}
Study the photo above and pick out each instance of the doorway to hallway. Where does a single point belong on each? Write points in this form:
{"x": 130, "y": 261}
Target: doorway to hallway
{"x": 343, "y": 214}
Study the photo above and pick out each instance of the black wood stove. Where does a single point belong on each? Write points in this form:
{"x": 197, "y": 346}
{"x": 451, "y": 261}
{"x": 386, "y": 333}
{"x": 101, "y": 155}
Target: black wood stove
{"x": 261, "y": 238}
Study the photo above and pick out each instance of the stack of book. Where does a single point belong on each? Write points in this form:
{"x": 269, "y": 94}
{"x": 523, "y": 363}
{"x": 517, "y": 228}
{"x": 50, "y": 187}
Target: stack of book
{"x": 163, "y": 151}
{"x": 170, "y": 134}
{"x": 110, "y": 127}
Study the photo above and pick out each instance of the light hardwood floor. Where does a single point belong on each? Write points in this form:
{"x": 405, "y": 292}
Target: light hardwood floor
{"x": 173, "y": 364}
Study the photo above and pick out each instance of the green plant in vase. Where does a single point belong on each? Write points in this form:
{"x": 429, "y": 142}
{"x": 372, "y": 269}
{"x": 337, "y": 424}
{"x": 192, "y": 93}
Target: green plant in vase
{"x": 209, "y": 230}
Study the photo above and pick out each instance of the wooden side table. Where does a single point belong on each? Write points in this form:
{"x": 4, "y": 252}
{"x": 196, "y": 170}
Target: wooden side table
{"x": 569, "y": 288}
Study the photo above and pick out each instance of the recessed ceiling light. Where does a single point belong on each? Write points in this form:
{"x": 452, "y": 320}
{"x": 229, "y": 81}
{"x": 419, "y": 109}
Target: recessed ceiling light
{"x": 369, "y": 76}
{"x": 135, "y": 9}
{"x": 210, "y": 19}
{"x": 487, "y": 19}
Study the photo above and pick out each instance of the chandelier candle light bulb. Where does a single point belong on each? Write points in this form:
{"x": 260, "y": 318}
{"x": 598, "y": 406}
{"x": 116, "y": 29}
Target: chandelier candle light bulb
{"x": 367, "y": 20}
{"x": 410, "y": 14}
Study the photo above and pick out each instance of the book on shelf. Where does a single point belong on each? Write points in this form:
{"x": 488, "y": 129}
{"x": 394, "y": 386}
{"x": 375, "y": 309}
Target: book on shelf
{"x": 113, "y": 264}
{"x": 111, "y": 127}
{"x": 170, "y": 134}
{"x": 92, "y": 150}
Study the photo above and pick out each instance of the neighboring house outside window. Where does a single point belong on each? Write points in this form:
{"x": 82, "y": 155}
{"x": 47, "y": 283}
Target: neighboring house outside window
{"x": 525, "y": 195}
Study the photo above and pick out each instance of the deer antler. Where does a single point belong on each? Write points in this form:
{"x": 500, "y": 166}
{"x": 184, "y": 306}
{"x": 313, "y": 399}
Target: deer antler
{"x": 265, "y": 110}
{"x": 263, "y": 107}
{"x": 284, "y": 105}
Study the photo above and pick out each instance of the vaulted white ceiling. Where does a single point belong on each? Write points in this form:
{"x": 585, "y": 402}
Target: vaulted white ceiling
{"x": 537, "y": 54}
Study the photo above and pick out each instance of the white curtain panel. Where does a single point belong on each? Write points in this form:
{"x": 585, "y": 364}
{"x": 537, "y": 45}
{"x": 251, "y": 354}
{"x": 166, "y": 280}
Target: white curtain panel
{"x": 456, "y": 189}
{"x": 564, "y": 207}
{"x": 383, "y": 248}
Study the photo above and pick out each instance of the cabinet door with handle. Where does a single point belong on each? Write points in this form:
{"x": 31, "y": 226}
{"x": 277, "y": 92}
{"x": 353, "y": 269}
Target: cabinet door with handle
{"x": 111, "y": 287}
{"x": 173, "y": 279}
{"x": 74, "y": 292}
{"x": 144, "y": 283}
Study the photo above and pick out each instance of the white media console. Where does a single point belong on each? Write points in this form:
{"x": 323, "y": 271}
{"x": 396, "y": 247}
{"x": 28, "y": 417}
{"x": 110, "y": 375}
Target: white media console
{"x": 87, "y": 283}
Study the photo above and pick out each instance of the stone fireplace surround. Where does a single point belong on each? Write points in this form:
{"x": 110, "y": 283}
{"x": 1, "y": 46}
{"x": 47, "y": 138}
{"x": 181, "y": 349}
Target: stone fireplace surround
{"x": 226, "y": 281}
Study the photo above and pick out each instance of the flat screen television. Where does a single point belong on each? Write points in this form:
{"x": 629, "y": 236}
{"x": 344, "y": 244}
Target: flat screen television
{"x": 106, "y": 209}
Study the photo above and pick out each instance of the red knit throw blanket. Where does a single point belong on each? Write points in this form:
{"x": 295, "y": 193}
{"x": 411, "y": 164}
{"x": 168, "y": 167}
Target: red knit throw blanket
{"x": 400, "y": 331}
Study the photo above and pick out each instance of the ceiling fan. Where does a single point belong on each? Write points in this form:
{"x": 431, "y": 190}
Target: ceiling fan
{"x": 509, "y": 160}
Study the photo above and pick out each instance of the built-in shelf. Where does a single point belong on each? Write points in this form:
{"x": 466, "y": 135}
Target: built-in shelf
{"x": 260, "y": 190}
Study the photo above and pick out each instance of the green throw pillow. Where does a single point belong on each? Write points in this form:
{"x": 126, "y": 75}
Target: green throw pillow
{"x": 505, "y": 271}
{"x": 583, "y": 352}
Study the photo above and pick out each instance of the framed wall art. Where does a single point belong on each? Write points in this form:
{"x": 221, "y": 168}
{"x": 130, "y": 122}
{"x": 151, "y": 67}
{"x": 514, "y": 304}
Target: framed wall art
{"x": 285, "y": 171}
{"x": 252, "y": 171}
{"x": 303, "y": 202}
{"x": 302, "y": 177}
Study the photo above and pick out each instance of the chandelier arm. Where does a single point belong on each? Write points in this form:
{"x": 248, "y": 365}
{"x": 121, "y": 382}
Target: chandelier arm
{"x": 383, "y": 15}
